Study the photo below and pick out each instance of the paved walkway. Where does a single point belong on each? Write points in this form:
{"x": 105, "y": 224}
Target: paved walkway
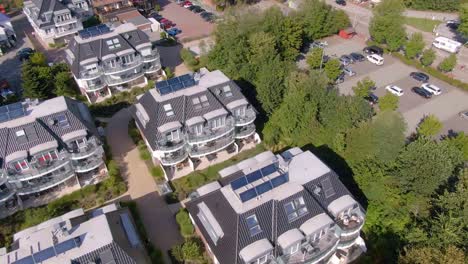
{"x": 158, "y": 219}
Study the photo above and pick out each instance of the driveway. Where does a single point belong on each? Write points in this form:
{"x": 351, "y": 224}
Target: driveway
{"x": 161, "y": 228}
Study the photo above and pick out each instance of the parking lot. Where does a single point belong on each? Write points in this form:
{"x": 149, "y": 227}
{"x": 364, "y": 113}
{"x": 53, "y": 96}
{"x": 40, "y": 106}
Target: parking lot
{"x": 191, "y": 24}
{"x": 413, "y": 107}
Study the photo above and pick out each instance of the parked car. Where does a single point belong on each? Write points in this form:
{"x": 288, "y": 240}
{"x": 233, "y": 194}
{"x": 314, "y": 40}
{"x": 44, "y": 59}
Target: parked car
{"x": 157, "y": 17}
{"x": 5, "y": 89}
{"x": 340, "y": 79}
{"x": 373, "y": 50}
{"x": 447, "y": 44}
{"x": 349, "y": 58}
{"x": 464, "y": 114}
{"x": 431, "y": 88}
{"x": 344, "y": 60}
{"x": 340, "y": 2}
{"x": 422, "y": 92}
{"x": 188, "y": 4}
{"x": 357, "y": 56}
{"x": 453, "y": 24}
{"x": 173, "y": 31}
{"x": 206, "y": 14}
{"x": 394, "y": 90}
{"x": 419, "y": 76}
{"x": 198, "y": 10}
{"x": 321, "y": 44}
{"x": 24, "y": 54}
{"x": 192, "y": 7}
{"x": 376, "y": 59}
{"x": 183, "y": 3}
{"x": 349, "y": 71}
{"x": 372, "y": 98}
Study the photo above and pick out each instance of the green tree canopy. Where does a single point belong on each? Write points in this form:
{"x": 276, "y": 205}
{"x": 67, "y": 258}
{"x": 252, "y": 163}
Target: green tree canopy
{"x": 314, "y": 58}
{"x": 431, "y": 255}
{"x": 38, "y": 59}
{"x": 388, "y": 102}
{"x": 429, "y": 126}
{"x": 387, "y": 24}
{"x": 363, "y": 87}
{"x": 449, "y": 63}
{"x": 463, "y": 14}
{"x": 428, "y": 57}
{"x": 414, "y": 46}
{"x": 333, "y": 69}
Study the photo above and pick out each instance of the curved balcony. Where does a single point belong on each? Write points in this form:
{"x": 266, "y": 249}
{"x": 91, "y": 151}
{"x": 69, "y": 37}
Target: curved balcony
{"x": 46, "y": 184}
{"x": 36, "y": 171}
{"x": 248, "y": 118}
{"x": 245, "y": 132}
{"x": 353, "y": 224}
{"x": 211, "y": 147}
{"x": 86, "y": 75}
{"x": 6, "y": 194}
{"x": 95, "y": 87}
{"x": 88, "y": 165}
{"x": 121, "y": 67}
{"x": 152, "y": 57}
{"x": 153, "y": 68}
{"x": 174, "y": 159}
{"x": 122, "y": 80}
{"x": 91, "y": 148}
{"x": 211, "y": 134}
{"x": 170, "y": 146}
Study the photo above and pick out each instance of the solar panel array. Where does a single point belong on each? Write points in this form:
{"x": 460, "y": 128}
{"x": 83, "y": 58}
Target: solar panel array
{"x": 94, "y": 31}
{"x": 175, "y": 84}
{"x": 11, "y": 111}
{"x": 261, "y": 188}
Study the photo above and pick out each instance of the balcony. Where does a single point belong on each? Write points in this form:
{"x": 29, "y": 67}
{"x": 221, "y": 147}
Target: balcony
{"x": 174, "y": 158}
{"x": 46, "y": 183}
{"x": 65, "y": 22}
{"x": 211, "y": 147}
{"x": 35, "y": 170}
{"x": 89, "y": 164}
{"x": 66, "y": 32}
{"x": 209, "y": 134}
{"x": 91, "y": 147}
{"x": 245, "y": 131}
{"x": 314, "y": 252}
{"x": 169, "y": 146}
{"x": 124, "y": 79}
{"x": 88, "y": 75}
{"x": 151, "y": 67}
{"x": 95, "y": 87}
{"x": 248, "y": 118}
{"x": 6, "y": 194}
{"x": 351, "y": 224}
{"x": 153, "y": 56}
{"x": 120, "y": 67}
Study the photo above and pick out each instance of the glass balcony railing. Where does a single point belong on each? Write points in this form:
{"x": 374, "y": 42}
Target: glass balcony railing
{"x": 211, "y": 134}
{"x": 211, "y": 147}
{"x": 245, "y": 131}
{"x": 90, "y": 74}
{"x": 168, "y": 146}
{"x": 92, "y": 146}
{"x": 351, "y": 224}
{"x": 66, "y": 21}
{"x": 153, "y": 56}
{"x": 35, "y": 170}
{"x": 90, "y": 163}
{"x": 122, "y": 66}
{"x": 46, "y": 183}
{"x": 174, "y": 158}
{"x": 5, "y": 194}
{"x": 249, "y": 117}
{"x": 124, "y": 78}
{"x": 152, "y": 66}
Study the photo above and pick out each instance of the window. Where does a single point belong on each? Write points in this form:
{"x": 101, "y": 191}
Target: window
{"x": 20, "y": 133}
{"x": 293, "y": 249}
{"x": 127, "y": 59}
{"x": 21, "y": 137}
{"x": 295, "y": 209}
{"x": 200, "y": 102}
{"x": 227, "y": 91}
{"x": 253, "y": 225}
{"x": 198, "y": 129}
{"x": 112, "y": 63}
{"x": 240, "y": 111}
{"x": 218, "y": 122}
{"x": 81, "y": 142}
{"x": 168, "y": 110}
{"x": 44, "y": 158}
{"x": 173, "y": 135}
{"x": 262, "y": 260}
{"x": 113, "y": 43}
{"x": 63, "y": 121}
{"x": 21, "y": 165}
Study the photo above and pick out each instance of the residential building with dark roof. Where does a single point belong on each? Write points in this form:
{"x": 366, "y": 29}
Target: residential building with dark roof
{"x": 47, "y": 149}
{"x": 56, "y": 21}
{"x": 7, "y": 33}
{"x": 114, "y": 61}
{"x": 193, "y": 121}
{"x": 283, "y": 209}
{"x": 105, "y": 235}
{"x": 107, "y": 10}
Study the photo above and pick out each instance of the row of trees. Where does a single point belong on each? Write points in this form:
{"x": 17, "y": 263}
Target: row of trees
{"x": 440, "y": 5}
{"x": 43, "y": 81}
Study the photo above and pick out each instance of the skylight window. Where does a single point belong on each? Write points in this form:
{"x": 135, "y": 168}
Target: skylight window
{"x": 253, "y": 225}
{"x": 200, "y": 102}
{"x": 63, "y": 121}
{"x": 227, "y": 91}
{"x": 295, "y": 209}
{"x": 168, "y": 110}
{"x": 20, "y": 133}
{"x": 113, "y": 43}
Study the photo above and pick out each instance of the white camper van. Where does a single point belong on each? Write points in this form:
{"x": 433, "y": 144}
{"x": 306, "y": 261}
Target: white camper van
{"x": 446, "y": 44}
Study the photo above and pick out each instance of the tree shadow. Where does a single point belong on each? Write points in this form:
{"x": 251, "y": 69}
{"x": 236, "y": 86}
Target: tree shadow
{"x": 341, "y": 167}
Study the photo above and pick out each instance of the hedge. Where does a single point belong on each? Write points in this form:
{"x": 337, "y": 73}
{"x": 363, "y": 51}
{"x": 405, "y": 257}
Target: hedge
{"x": 185, "y": 225}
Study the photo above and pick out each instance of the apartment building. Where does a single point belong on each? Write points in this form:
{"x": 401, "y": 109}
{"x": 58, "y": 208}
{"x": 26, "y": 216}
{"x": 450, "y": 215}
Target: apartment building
{"x": 105, "y": 235}
{"x": 283, "y": 209}
{"x": 7, "y": 33}
{"x": 193, "y": 121}
{"x": 47, "y": 149}
{"x": 56, "y": 21}
{"x": 105, "y": 61}
{"x": 107, "y": 10}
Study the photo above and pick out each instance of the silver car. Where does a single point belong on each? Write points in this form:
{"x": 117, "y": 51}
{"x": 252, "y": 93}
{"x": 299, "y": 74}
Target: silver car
{"x": 348, "y": 71}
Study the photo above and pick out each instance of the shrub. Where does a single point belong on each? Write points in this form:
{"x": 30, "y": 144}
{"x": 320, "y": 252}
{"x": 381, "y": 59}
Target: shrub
{"x": 189, "y": 59}
{"x": 171, "y": 198}
{"x": 157, "y": 7}
{"x": 169, "y": 73}
{"x": 428, "y": 57}
{"x": 157, "y": 173}
{"x": 91, "y": 22}
{"x": 185, "y": 225}
{"x": 448, "y": 64}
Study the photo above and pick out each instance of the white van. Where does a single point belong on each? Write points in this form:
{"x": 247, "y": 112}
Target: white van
{"x": 432, "y": 88}
{"x": 376, "y": 59}
{"x": 447, "y": 44}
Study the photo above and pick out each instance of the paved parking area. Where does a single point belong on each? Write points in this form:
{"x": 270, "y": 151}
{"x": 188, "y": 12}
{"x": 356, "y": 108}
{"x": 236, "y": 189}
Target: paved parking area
{"x": 191, "y": 24}
{"x": 413, "y": 107}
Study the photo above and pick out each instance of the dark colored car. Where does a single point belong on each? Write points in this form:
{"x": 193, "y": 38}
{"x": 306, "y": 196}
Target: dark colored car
{"x": 422, "y": 92}
{"x": 357, "y": 56}
{"x": 206, "y": 14}
{"x": 373, "y": 50}
{"x": 157, "y": 17}
{"x": 419, "y": 76}
{"x": 340, "y": 79}
{"x": 24, "y": 54}
{"x": 372, "y": 98}
{"x": 198, "y": 10}
{"x": 192, "y": 7}
{"x": 340, "y": 2}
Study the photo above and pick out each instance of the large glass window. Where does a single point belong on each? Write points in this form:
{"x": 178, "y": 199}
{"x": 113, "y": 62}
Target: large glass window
{"x": 44, "y": 158}
{"x": 295, "y": 209}
{"x": 253, "y": 225}
{"x": 21, "y": 165}
{"x": 168, "y": 110}
{"x": 218, "y": 122}
{"x": 173, "y": 135}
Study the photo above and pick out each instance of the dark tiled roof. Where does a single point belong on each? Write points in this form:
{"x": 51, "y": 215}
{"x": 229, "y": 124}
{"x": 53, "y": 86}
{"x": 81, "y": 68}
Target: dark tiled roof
{"x": 118, "y": 254}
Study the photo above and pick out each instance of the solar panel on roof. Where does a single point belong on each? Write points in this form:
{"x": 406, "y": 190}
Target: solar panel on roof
{"x": 268, "y": 169}
{"x": 177, "y": 87}
{"x": 14, "y": 106}
{"x": 4, "y": 117}
{"x": 248, "y": 195}
{"x": 173, "y": 81}
{"x": 264, "y": 187}
{"x": 165, "y": 90}
{"x": 3, "y": 109}
{"x": 44, "y": 254}
{"x": 161, "y": 84}
{"x": 94, "y": 31}
{"x": 280, "y": 180}
{"x": 105, "y": 30}
{"x": 16, "y": 113}
{"x": 189, "y": 83}
{"x": 238, "y": 183}
{"x": 185, "y": 77}
{"x": 65, "y": 246}
{"x": 100, "y": 26}
{"x": 251, "y": 177}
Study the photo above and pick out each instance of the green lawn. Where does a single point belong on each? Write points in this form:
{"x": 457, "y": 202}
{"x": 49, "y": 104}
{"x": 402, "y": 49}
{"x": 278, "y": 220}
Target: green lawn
{"x": 423, "y": 24}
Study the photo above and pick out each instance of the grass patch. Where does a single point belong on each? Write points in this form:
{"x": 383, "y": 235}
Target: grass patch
{"x": 185, "y": 225}
{"x": 423, "y": 24}
{"x": 154, "y": 253}
{"x": 185, "y": 185}
{"x": 88, "y": 197}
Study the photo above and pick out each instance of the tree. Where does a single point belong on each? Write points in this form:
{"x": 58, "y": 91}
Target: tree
{"x": 314, "y": 58}
{"x": 428, "y": 57}
{"x": 388, "y": 102}
{"x": 414, "y": 46}
{"x": 191, "y": 250}
{"x": 387, "y": 24}
{"x": 430, "y": 126}
{"x": 460, "y": 141}
{"x": 448, "y": 64}
{"x": 37, "y": 81}
{"x": 64, "y": 85}
{"x": 178, "y": 253}
{"x": 38, "y": 59}
{"x": 431, "y": 255}
{"x": 463, "y": 14}
{"x": 333, "y": 69}
{"x": 363, "y": 87}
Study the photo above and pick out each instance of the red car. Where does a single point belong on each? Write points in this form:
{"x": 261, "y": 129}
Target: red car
{"x": 182, "y": 3}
